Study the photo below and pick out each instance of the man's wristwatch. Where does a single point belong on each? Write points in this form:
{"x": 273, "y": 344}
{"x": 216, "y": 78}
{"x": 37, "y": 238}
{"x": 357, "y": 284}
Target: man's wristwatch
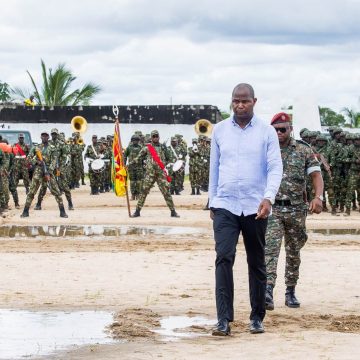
{"x": 320, "y": 197}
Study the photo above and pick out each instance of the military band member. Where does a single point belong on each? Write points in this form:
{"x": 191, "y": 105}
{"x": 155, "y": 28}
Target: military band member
{"x": 21, "y": 164}
{"x": 91, "y": 154}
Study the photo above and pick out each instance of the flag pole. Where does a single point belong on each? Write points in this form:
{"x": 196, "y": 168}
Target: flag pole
{"x": 116, "y": 113}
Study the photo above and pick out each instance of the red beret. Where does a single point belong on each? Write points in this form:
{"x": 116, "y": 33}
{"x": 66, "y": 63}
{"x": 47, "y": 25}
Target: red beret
{"x": 281, "y": 117}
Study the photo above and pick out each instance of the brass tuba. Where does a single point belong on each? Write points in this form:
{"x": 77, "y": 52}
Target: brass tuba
{"x": 79, "y": 123}
{"x": 203, "y": 127}
{"x": 80, "y": 141}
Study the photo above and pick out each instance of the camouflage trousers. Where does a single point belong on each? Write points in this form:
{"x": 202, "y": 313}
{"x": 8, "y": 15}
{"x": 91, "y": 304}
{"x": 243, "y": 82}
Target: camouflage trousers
{"x": 176, "y": 180}
{"x": 340, "y": 183}
{"x": 352, "y": 185}
{"x": 95, "y": 178}
{"x": 195, "y": 176}
{"x": 12, "y": 188}
{"x": 287, "y": 222}
{"x": 76, "y": 170}
{"x": 149, "y": 181}
{"x": 37, "y": 182}
{"x": 136, "y": 175}
{"x": 62, "y": 184}
{"x": 4, "y": 187}
{"x": 21, "y": 170}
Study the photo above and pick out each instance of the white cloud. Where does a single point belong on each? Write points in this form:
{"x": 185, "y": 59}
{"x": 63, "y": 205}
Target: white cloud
{"x": 144, "y": 52}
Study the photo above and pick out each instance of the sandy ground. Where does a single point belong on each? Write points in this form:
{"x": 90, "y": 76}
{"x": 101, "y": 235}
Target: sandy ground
{"x": 143, "y": 278}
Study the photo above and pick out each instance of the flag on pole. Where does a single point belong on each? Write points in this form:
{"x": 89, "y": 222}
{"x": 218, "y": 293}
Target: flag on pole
{"x": 118, "y": 174}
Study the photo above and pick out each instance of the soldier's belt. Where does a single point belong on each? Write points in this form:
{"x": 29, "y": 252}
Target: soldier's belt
{"x": 282, "y": 202}
{"x": 20, "y": 157}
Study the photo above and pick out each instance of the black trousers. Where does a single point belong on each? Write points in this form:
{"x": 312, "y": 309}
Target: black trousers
{"x": 227, "y": 228}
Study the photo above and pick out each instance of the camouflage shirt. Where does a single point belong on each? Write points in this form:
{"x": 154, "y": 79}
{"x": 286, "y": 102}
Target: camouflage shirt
{"x": 298, "y": 162}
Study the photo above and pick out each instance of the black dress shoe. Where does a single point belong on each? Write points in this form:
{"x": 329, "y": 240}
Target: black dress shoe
{"x": 222, "y": 328}
{"x": 256, "y": 327}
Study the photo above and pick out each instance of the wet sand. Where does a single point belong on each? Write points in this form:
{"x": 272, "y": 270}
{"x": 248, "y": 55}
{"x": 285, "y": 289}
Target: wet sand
{"x": 144, "y": 278}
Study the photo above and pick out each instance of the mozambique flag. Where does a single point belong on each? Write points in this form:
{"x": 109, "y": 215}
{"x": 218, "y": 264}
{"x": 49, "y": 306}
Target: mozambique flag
{"x": 118, "y": 174}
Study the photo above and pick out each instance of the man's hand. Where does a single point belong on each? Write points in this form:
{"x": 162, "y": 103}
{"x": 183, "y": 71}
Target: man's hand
{"x": 316, "y": 206}
{"x": 263, "y": 210}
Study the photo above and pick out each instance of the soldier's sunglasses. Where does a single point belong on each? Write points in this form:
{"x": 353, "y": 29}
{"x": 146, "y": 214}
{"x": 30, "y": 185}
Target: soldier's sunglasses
{"x": 283, "y": 130}
{"x": 154, "y": 136}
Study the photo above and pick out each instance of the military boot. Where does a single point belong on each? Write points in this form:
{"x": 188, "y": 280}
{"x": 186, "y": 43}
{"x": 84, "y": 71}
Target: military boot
{"x": 290, "y": 299}
{"x": 198, "y": 191}
{"x": 172, "y": 191}
{"x": 70, "y": 205}
{"x": 333, "y": 210}
{"x": 192, "y": 191}
{"x": 207, "y": 206}
{"x": 82, "y": 181}
{"x": 16, "y": 201}
{"x": 269, "y": 301}
{"x": 174, "y": 214}
{"x": 38, "y": 205}
{"x": 354, "y": 207}
{"x": 25, "y": 212}
{"x": 136, "y": 213}
{"x": 62, "y": 211}
{"x": 17, "y": 205}
{"x": 347, "y": 212}
{"x": 177, "y": 192}
{"x": 342, "y": 207}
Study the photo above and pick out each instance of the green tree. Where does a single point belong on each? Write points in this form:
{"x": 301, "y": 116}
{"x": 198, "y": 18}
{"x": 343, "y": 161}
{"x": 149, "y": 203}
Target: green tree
{"x": 353, "y": 116}
{"x": 5, "y": 92}
{"x": 329, "y": 117}
{"x": 224, "y": 114}
{"x": 56, "y": 88}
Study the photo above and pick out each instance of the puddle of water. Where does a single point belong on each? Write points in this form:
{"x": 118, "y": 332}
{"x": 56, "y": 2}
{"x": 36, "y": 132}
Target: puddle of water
{"x": 335, "y": 231}
{"x": 15, "y": 231}
{"x": 171, "y": 325}
{"x": 25, "y": 334}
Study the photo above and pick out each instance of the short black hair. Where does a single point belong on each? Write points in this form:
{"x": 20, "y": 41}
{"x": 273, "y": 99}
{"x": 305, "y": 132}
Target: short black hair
{"x": 247, "y": 86}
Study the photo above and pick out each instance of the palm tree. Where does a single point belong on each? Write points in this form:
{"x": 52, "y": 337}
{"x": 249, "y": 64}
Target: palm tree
{"x": 55, "y": 88}
{"x": 353, "y": 116}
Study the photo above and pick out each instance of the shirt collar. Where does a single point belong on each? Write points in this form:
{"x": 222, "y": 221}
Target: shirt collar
{"x": 251, "y": 123}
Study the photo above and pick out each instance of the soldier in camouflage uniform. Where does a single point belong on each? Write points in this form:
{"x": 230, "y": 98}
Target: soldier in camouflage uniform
{"x": 44, "y": 172}
{"x": 195, "y": 164}
{"x": 60, "y": 171}
{"x": 92, "y": 153}
{"x": 12, "y": 185}
{"x": 154, "y": 173}
{"x": 289, "y": 210}
{"x": 135, "y": 171}
{"x": 76, "y": 160}
{"x": 176, "y": 153}
{"x": 321, "y": 150}
{"x": 4, "y": 179}
{"x": 182, "y": 145}
{"x": 353, "y": 175}
{"x": 21, "y": 164}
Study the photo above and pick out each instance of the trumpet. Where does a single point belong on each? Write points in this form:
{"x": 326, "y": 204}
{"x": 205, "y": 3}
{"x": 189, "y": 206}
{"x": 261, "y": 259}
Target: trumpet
{"x": 203, "y": 127}
{"x": 80, "y": 141}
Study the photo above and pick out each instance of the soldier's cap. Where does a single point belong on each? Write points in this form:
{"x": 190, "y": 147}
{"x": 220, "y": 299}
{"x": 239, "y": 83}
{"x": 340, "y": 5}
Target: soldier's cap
{"x": 21, "y": 135}
{"x": 305, "y": 134}
{"x": 154, "y": 132}
{"x": 135, "y": 137}
{"x": 108, "y": 137}
{"x": 349, "y": 136}
{"x": 321, "y": 137}
{"x": 138, "y": 132}
{"x": 173, "y": 138}
{"x": 44, "y": 133}
{"x": 343, "y": 133}
{"x": 94, "y": 136}
{"x": 54, "y": 131}
{"x": 280, "y": 117}
{"x": 312, "y": 134}
{"x": 104, "y": 141}
{"x": 337, "y": 130}
{"x": 178, "y": 136}
{"x": 201, "y": 137}
{"x": 302, "y": 130}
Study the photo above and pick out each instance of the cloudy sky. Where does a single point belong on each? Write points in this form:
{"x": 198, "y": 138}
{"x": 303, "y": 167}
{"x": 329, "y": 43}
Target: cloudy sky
{"x": 190, "y": 52}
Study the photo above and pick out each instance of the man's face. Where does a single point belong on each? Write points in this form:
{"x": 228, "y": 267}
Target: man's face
{"x": 173, "y": 143}
{"x": 283, "y": 131}
{"x": 21, "y": 139}
{"x": 243, "y": 104}
{"x": 357, "y": 142}
{"x": 94, "y": 140}
{"x": 321, "y": 143}
{"x": 312, "y": 140}
{"x": 155, "y": 138}
{"x": 44, "y": 138}
{"x": 54, "y": 136}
